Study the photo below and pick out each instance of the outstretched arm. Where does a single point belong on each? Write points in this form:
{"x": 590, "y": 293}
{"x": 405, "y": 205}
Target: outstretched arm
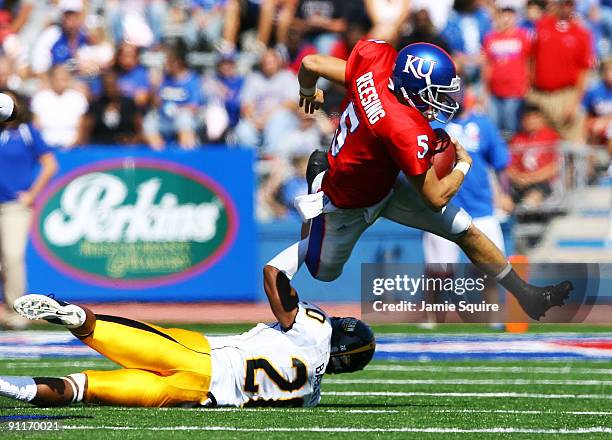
{"x": 48, "y": 168}
{"x": 314, "y": 67}
{"x": 277, "y": 275}
{"x": 282, "y": 296}
{"x": 321, "y": 66}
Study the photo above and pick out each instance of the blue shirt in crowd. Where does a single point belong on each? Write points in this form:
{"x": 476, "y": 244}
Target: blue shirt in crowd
{"x": 207, "y": 5}
{"x": 62, "y": 51}
{"x": 232, "y": 99}
{"x": 465, "y": 32}
{"x": 20, "y": 151}
{"x": 176, "y": 92}
{"x": 598, "y": 100}
{"x": 483, "y": 142}
{"x": 133, "y": 81}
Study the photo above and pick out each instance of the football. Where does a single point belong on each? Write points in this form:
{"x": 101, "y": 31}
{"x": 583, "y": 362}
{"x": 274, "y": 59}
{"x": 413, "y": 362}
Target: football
{"x": 444, "y": 154}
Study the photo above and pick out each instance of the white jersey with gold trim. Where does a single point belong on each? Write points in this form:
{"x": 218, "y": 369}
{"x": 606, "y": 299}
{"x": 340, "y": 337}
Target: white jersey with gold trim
{"x": 269, "y": 366}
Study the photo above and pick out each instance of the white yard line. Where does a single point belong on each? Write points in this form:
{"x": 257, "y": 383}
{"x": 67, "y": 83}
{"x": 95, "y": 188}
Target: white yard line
{"x": 469, "y": 382}
{"x": 450, "y": 411}
{"x": 340, "y": 410}
{"x": 518, "y": 411}
{"x": 36, "y": 364}
{"x": 414, "y": 394}
{"x": 494, "y": 369}
{"x": 589, "y": 430}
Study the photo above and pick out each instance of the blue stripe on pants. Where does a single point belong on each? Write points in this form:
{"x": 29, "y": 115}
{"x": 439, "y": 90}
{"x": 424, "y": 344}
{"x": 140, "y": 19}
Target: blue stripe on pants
{"x": 315, "y": 244}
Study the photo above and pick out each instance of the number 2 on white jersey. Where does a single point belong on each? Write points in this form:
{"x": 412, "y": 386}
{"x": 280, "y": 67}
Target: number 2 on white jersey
{"x": 343, "y": 129}
{"x": 252, "y": 365}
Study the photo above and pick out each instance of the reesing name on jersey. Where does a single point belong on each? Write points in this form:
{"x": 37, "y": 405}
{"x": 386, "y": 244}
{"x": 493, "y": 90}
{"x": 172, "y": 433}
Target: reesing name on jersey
{"x": 368, "y": 96}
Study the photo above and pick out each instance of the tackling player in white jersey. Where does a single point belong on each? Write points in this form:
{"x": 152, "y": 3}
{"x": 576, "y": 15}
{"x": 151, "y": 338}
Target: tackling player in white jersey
{"x": 280, "y": 364}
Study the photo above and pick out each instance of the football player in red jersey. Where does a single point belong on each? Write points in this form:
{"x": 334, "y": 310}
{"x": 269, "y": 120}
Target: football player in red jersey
{"x": 379, "y": 165}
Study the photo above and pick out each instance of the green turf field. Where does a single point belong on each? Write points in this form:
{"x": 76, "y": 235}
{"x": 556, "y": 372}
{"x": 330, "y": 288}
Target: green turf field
{"x": 423, "y": 400}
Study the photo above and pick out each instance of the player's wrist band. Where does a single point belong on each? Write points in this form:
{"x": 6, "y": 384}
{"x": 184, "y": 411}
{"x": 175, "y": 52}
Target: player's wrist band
{"x": 309, "y": 92}
{"x": 463, "y": 166}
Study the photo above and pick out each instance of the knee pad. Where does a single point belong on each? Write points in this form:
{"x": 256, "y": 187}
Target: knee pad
{"x": 458, "y": 219}
{"x": 326, "y": 276}
{"x": 318, "y": 272}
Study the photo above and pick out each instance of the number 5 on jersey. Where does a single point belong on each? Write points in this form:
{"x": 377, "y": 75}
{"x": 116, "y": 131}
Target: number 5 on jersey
{"x": 422, "y": 143}
{"x": 348, "y": 124}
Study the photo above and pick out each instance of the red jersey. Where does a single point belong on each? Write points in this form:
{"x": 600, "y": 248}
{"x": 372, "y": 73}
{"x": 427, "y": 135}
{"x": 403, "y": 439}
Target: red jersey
{"x": 376, "y": 136}
{"x": 533, "y": 152}
{"x": 508, "y": 54}
{"x": 562, "y": 49}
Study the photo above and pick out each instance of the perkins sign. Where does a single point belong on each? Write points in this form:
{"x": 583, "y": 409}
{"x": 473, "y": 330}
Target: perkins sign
{"x": 134, "y": 223}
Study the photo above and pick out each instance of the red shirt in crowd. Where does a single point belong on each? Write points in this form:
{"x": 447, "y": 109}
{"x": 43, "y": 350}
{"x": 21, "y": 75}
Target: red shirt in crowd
{"x": 340, "y": 50}
{"x": 296, "y": 63}
{"x": 531, "y": 152}
{"x": 508, "y": 59}
{"x": 562, "y": 49}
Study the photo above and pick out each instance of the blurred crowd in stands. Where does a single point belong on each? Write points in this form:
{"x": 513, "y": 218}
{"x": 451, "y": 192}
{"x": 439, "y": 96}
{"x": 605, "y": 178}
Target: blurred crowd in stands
{"x": 190, "y": 73}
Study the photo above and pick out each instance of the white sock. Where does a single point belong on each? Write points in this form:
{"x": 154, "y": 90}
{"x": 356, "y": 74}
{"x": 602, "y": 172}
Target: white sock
{"x": 77, "y": 382}
{"x": 18, "y": 387}
{"x": 291, "y": 259}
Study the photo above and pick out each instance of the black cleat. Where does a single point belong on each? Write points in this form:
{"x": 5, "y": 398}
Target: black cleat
{"x": 537, "y": 300}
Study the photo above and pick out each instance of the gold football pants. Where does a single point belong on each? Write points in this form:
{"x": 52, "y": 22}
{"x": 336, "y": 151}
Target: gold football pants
{"x": 161, "y": 367}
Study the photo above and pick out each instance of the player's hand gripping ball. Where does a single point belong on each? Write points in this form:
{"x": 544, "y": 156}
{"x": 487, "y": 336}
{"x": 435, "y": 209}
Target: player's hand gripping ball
{"x": 444, "y": 155}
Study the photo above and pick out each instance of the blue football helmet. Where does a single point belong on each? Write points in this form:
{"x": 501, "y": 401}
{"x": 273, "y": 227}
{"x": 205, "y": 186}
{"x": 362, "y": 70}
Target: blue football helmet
{"x": 425, "y": 76}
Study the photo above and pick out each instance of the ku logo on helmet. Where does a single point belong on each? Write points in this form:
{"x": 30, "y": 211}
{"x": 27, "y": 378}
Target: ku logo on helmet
{"x": 415, "y": 65}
